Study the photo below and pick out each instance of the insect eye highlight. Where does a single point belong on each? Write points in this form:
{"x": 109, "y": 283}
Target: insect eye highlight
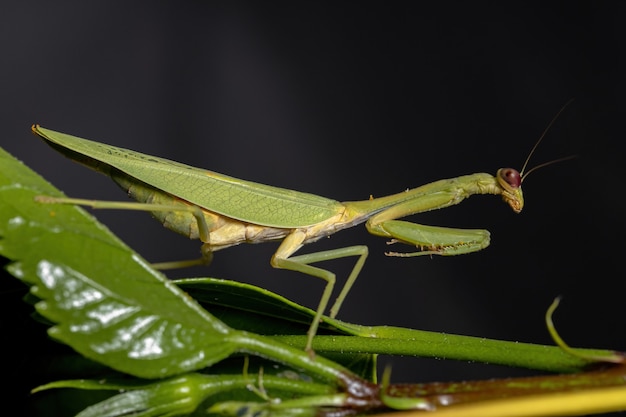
{"x": 511, "y": 177}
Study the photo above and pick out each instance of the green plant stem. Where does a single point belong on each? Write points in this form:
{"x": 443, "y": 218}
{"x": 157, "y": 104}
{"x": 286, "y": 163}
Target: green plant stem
{"x": 457, "y": 347}
{"x": 297, "y": 358}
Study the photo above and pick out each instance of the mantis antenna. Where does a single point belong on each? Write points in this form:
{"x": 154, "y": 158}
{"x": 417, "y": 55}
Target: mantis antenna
{"x": 532, "y": 151}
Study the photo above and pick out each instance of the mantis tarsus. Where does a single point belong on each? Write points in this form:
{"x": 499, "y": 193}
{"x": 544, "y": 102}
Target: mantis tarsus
{"x": 223, "y": 211}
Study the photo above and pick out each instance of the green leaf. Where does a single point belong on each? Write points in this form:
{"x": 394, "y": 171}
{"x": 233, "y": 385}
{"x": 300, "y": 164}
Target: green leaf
{"x": 108, "y": 304}
{"x": 240, "y": 305}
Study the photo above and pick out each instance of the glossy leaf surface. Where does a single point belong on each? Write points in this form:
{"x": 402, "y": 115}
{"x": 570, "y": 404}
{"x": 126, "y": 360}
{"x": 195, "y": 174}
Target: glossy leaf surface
{"x": 107, "y": 303}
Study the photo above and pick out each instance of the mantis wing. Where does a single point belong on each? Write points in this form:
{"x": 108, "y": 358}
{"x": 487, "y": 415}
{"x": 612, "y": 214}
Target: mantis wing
{"x": 239, "y": 199}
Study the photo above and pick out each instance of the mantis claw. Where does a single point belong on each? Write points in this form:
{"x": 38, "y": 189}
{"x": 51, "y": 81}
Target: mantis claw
{"x": 430, "y": 240}
{"x": 412, "y": 254}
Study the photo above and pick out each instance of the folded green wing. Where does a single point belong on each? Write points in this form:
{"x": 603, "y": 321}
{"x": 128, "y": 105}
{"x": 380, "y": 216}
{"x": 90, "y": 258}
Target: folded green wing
{"x": 242, "y": 200}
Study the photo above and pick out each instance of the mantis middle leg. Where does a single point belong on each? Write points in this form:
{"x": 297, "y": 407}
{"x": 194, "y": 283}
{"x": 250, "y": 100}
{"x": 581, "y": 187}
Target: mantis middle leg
{"x": 301, "y": 263}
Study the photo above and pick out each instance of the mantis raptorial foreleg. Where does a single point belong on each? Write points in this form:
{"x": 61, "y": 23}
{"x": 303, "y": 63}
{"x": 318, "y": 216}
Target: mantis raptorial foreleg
{"x": 432, "y": 240}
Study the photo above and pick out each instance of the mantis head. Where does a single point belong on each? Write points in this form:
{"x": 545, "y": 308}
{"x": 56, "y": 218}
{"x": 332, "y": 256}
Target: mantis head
{"x": 510, "y": 182}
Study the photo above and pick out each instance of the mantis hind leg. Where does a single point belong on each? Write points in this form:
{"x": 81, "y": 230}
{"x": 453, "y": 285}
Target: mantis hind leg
{"x": 301, "y": 263}
{"x": 195, "y": 211}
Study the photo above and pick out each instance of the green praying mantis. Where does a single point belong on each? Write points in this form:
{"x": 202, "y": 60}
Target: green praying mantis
{"x": 223, "y": 211}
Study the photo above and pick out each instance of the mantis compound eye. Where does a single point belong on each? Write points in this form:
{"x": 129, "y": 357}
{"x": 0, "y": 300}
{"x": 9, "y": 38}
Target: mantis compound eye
{"x": 510, "y": 176}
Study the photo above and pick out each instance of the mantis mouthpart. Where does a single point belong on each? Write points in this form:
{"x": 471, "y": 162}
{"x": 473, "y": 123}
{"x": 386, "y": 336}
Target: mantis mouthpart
{"x": 223, "y": 211}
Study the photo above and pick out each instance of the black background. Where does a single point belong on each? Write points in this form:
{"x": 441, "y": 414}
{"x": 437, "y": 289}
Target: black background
{"x": 349, "y": 100}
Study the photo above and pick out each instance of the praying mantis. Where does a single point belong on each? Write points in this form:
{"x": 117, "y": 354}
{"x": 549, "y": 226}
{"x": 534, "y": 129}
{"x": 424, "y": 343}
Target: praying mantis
{"x": 223, "y": 211}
